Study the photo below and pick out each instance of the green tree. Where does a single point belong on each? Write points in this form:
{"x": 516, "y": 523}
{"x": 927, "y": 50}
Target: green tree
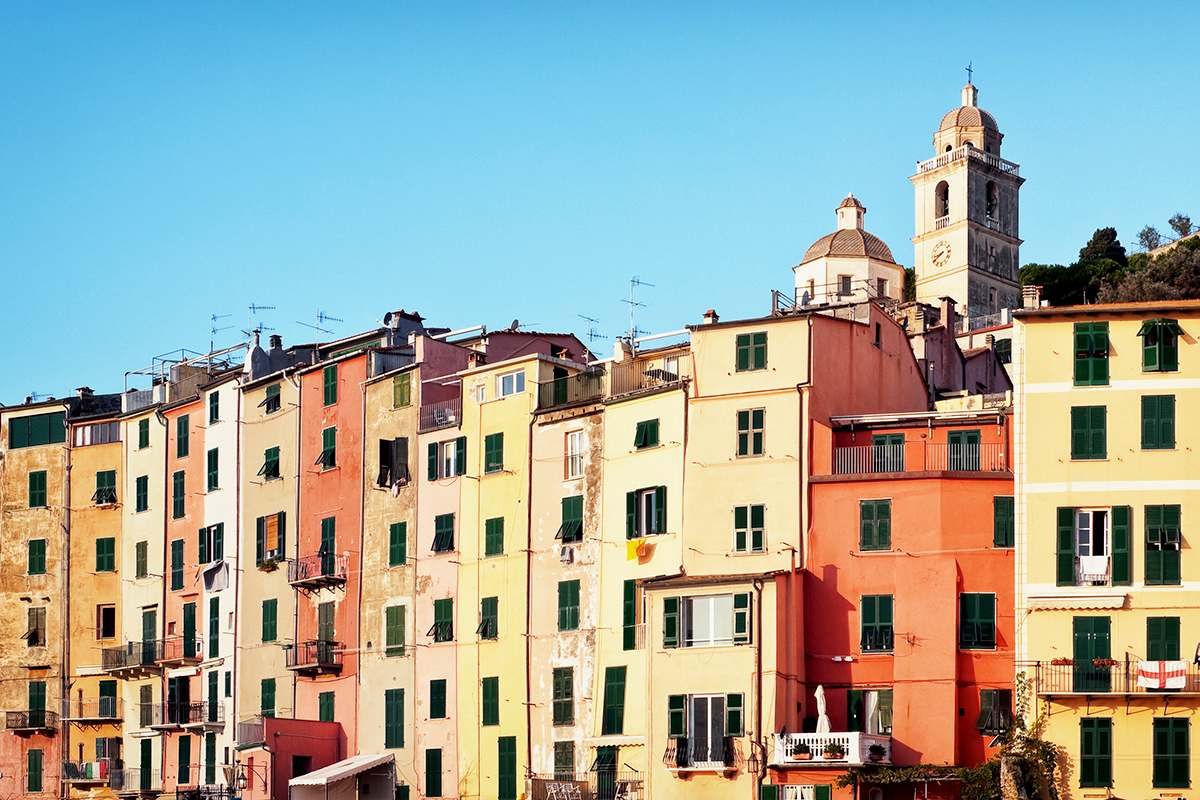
{"x": 1181, "y": 223}
{"x": 1104, "y": 244}
{"x": 1149, "y": 237}
{"x": 1174, "y": 275}
{"x": 910, "y": 284}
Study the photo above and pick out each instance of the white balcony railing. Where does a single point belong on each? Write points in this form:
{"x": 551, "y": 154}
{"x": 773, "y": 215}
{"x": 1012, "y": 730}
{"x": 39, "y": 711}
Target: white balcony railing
{"x": 1093, "y": 571}
{"x": 797, "y": 748}
{"x": 967, "y": 151}
{"x": 941, "y": 222}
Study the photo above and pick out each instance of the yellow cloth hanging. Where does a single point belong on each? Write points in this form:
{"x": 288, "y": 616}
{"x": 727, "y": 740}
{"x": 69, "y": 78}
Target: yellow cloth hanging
{"x": 633, "y": 548}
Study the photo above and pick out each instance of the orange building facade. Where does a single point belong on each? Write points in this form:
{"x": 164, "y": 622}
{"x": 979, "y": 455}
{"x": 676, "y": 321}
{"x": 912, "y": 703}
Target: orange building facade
{"x": 908, "y": 588}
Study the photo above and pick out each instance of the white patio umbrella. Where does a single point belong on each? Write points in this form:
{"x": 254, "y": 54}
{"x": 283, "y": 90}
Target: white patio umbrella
{"x": 822, "y": 717}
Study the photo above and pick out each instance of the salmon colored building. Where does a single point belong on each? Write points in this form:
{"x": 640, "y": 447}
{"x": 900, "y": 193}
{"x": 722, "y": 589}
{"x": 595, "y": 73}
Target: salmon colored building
{"x": 908, "y": 596}
{"x": 326, "y": 573}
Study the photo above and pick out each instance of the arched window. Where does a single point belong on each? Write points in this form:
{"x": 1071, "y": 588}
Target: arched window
{"x": 941, "y": 200}
{"x": 993, "y": 201}
{"x": 949, "y": 147}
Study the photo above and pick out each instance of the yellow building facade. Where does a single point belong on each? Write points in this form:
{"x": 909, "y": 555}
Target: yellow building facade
{"x": 1107, "y": 586}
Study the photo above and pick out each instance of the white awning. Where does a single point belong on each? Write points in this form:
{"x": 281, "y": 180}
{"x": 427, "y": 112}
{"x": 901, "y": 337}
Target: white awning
{"x": 342, "y": 769}
{"x": 1061, "y": 602}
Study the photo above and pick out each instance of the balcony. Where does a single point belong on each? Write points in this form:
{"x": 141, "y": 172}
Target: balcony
{"x": 626, "y": 784}
{"x": 919, "y": 456}
{"x": 179, "y": 651}
{"x": 832, "y": 749}
{"x": 131, "y": 782}
{"x": 164, "y": 716}
{"x": 440, "y": 414}
{"x": 32, "y": 721}
{"x": 582, "y": 387}
{"x": 103, "y": 711}
{"x": 941, "y": 222}
{"x": 205, "y": 716}
{"x": 318, "y": 571}
{"x": 88, "y": 773}
{"x": 696, "y": 755}
{"x": 132, "y": 659}
{"x": 1113, "y": 677}
{"x": 648, "y": 374}
{"x": 1093, "y": 570}
{"x": 315, "y": 657}
{"x": 250, "y": 732}
{"x": 967, "y": 151}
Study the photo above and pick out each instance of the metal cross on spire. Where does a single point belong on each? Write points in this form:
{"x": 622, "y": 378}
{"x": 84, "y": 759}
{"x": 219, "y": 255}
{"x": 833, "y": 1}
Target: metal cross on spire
{"x": 970, "y": 70}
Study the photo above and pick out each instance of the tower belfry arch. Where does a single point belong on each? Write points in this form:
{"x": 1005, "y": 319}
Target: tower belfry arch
{"x": 967, "y": 234}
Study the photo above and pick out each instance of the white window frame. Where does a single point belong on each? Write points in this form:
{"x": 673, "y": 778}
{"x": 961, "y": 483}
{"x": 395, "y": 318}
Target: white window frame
{"x": 646, "y": 511}
{"x": 574, "y": 454}
{"x": 1092, "y": 515}
{"x": 712, "y": 609}
{"x": 516, "y": 380}
{"x": 447, "y": 459}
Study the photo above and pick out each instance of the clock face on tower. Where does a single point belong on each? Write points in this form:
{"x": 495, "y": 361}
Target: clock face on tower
{"x": 941, "y": 254}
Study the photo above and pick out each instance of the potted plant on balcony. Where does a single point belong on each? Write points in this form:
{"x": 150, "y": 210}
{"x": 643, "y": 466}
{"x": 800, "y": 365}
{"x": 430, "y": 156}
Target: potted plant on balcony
{"x": 834, "y": 751}
{"x": 876, "y": 752}
{"x": 802, "y": 752}
{"x": 1100, "y": 663}
{"x": 1063, "y": 662}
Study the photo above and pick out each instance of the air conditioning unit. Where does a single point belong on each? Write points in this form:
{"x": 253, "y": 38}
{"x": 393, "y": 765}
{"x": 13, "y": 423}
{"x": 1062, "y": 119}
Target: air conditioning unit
{"x": 566, "y": 554}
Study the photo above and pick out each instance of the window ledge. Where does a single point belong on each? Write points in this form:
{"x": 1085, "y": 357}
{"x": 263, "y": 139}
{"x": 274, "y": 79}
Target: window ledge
{"x": 747, "y": 553}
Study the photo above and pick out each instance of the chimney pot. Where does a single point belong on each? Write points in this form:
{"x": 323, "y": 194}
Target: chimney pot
{"x": 711, "y": 316}
{"x": 276, "y": 341}
{"x": 83, "y": 391}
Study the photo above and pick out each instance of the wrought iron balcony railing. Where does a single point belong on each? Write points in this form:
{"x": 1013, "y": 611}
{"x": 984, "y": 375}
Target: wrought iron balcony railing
{"x": 315, "y": 657}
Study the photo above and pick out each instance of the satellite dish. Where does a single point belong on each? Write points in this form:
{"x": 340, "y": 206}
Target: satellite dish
{"x": 387, "y": 318}
{"x": 516, "y": 323}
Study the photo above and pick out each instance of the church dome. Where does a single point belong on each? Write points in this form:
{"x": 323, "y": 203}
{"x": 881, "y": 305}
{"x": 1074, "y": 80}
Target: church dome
{"x": 849, "y": 243}
{"x": 850, "y": 240}
{"x": 968, "y": 115}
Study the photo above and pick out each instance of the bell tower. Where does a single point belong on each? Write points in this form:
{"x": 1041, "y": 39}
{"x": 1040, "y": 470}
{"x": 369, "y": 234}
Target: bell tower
{"x": 967, "y": 243}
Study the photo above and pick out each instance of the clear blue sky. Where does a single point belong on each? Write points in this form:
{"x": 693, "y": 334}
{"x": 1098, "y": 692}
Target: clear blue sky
{"x": 166, "y": 161}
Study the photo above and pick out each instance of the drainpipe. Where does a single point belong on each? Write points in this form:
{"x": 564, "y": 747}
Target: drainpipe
{"x": 759, "y": 739}
{"x": 64, "y": 678}
{"x": 362, "y": 532}
{"x": 528, "y": 598}
{"x": 237, "y": 573}
{"x": 294, "y": 380}
{"x": 161, "y": 616}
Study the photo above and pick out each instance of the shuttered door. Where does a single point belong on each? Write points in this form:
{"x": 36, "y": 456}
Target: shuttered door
{"x": 1092, "y": 642}
{"x": 507, "y": 751}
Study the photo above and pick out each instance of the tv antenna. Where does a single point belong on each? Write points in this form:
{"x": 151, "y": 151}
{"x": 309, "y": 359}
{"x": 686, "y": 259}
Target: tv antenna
{"x": 256, "y": 326}
{"x": 634, "y": 305}
{"x": 38, "y": 397}
{"x": 592, "y": 333}
{"x": 322, "y": 318}
{"x": 215, "y": 328}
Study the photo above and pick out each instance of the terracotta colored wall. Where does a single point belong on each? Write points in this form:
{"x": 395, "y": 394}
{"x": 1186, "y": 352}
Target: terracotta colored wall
{"x": 335, "y": 493}
{"x": 941, "y": 546}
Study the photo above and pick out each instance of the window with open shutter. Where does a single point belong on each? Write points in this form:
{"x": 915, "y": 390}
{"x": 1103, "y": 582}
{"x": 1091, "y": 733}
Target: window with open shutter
{"x": 646, "y": 434}
{"x": 741, "y": 618}
{"x": 1122, "y": 571}
{"x": 443, "y": 533}
{"x": 670, "y": 622}
{"x": 677, "y": 716}
{"x": 1163, "y": 543}
{"x": 1160, "y": 345}
{"x": 1091, "y": 354}
{"x": 327, "y": 458}
{"x": 443, "y": 620}
{"x": 735, "y": 715}
{"x": 571, "y": 528}
{"x": 489, "y": 618}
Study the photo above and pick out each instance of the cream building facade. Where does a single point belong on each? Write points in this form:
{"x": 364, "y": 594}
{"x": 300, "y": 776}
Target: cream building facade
{"x": 848, "y": 265}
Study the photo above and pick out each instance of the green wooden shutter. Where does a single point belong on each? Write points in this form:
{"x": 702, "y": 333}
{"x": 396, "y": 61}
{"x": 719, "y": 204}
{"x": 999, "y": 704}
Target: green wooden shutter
{"x": 660, "y": 509}
{"x": 507, "y": 753}
{"x": 734, "y": 715}
{"x": 270, "y": 619}
{"x": 330, "y": 384}
{"x": 1162, "y": 638}
{"x": 883, "y": 524}
{"x": 631, "y": 530}
{"x": 670, "y": 622}
{"x": 185, "y": 759}
{"x": 393, "y": 718}
{"x": 629, "y": 615}
{"x": 33, "y": 770}
{"x": 1121, "y": 571}
{"x": 394, "y": 633}
{"x": 398, "y": 544}
{"x": 741, "y": 618}
{"x": 677, "y": 715}
{"x": 866, "y": 525}
{"x": 1095, "y": 750}
{"x": 1003, "y": 515}
{"x": 214, "y": 626}
{"x": 181, "y": 437}
{"x": 1065, "y": 572}
{"x": 325, "y": 707}
{"x": 768, "y": 791}
{"x": 433, "y": 772}
{"x": 490, "y": 691}
{"x": 613, "y": 720}
{"x": 143, "y": 433}
{"x": 742, "y": 349}
{"x": 493, "y": 452}
{"x": 432, "y": 461}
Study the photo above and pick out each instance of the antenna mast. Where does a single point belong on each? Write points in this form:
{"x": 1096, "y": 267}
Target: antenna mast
{"x": 633, "y": 303}
{"x": 592, "y": 333}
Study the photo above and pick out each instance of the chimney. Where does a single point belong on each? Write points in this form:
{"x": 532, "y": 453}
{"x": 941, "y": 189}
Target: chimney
{"x": 990, "y": 341}
{"x": 276, "y": 341}
{"x": 1031, "y": 296}
{"x": 947, "y": 315}
{"x": 83, "y": 391}
{"x": 622, "y": 351}
{"x": 711, "y": 317}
